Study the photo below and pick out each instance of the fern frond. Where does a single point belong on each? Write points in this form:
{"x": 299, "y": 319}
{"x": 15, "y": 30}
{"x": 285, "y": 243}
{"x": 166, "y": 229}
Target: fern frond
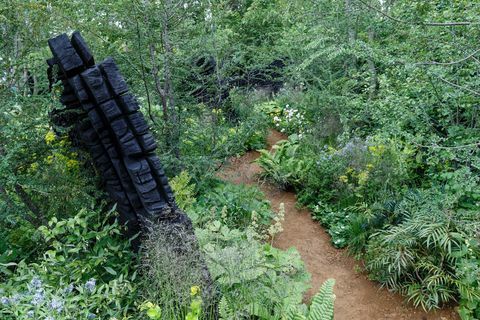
{"x": 322, "y": 303}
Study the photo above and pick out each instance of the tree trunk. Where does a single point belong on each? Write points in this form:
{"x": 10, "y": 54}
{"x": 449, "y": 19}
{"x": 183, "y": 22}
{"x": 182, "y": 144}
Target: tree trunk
{"x": 168, "y": 88}
{"x": 38, "y": 218}
{"x": 374, "y": 85}
{"x": 352, "y": 33}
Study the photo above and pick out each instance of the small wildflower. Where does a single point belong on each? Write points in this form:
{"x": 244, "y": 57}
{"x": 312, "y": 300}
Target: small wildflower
{"x": 50, "y": 137}
{"x": 35, "y": 283}
{"x": 90, "y": 285}
{"x": 56, "y": 305}
{"x": 4, "y": 300}
{"x": 91, "y": 316}
{"x": 194, "y": 290}
{"x": 15, "y": 298}
{"x": 30, "y": 313}
{"x": 343, "y": 179}
{"x": 38, "y": 298}
{"x": 68, "y": 289}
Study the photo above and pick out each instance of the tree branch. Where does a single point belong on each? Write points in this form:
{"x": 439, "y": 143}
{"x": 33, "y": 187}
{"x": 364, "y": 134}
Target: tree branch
{"x": 431, "y": 24}
{"x": 459, "y": 86}
{"x": 451, "y": 62}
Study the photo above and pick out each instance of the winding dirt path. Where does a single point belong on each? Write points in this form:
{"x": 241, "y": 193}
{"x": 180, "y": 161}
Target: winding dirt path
{"x": 357, "y": 297}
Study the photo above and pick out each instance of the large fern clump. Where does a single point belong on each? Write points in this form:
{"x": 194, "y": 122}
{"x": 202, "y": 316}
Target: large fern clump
{"x": 283, "y": 166}
{"x": 420, "y": 256}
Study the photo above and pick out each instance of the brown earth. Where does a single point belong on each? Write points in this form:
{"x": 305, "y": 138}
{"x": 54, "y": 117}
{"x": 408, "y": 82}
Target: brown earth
{"x": 357, "y": 297}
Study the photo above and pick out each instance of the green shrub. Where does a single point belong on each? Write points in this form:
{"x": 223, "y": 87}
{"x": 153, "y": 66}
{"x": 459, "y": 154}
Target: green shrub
{"x": 420, "y": 255}
{"x": 254, "y": 279}
{"x": 285, "y": 166}
{"x": 86, "y": 272}
{"x": 234, "y": 205}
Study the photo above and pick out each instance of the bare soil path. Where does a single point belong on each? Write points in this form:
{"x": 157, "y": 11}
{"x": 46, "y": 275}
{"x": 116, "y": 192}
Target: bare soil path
{"x": 357, "y": 297}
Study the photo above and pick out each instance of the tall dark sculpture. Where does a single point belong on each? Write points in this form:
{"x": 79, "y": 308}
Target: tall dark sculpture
{"x": 110, "y": 124}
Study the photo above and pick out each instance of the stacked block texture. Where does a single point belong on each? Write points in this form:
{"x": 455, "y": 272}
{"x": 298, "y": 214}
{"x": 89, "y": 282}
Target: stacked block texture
{"x": 114, "y": 131}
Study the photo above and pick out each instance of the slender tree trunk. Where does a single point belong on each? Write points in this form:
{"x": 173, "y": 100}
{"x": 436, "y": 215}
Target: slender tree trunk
{"x": 352, "y": 33}
{"x": 144, "y": 77}
{"x": 158, "y": 85}
{"x": 16, "y": 53}
{"x": 374, "y": 85}
{"x": 168, "y": 87}
{"x": 38, "y": 218}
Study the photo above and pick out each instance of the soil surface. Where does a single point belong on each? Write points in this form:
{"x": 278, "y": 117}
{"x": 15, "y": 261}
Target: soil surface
{"x": 357, "y": 297}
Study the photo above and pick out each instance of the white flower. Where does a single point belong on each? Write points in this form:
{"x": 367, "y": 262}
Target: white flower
{"x": 208, "y": 15}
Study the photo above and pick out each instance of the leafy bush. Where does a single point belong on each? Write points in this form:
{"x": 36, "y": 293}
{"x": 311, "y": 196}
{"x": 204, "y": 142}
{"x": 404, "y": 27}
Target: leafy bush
{"x": 420, "y": 255}
{"x": 284, "y": 165}
{"x": 184, "y": 190}
{"x": 86, "y": 272}
{"x": 285, "y": 119}
{"x": 234, "y": 205}
{"x": 336, "y": 221}
{"x": 254, "y": 279}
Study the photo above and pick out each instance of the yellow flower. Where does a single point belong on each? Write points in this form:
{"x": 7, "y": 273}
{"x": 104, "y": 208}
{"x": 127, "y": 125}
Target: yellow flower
{"x": 343, "y": 179}
{"x": 377, "y": 150}
{"x": 50, "y": 137}
{"x": 362, "y": 177}
{"x": 34, "y": 167}
{"x": 72, "y": 164}
{"x": 194, "y": 290}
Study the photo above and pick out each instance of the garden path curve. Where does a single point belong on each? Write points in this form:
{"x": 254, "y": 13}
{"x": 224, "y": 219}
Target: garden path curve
{"x": 357, "y": 297}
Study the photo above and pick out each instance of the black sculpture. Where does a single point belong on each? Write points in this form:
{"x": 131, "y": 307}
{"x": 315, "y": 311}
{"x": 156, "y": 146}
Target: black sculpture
{"x": 115, "y": 132}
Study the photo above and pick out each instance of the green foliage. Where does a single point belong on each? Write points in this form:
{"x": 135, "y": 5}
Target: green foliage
{"x": 336, "y": 221}
{"x": 419, "y": 256}
{"x": 184, "y": 190}
{"x": 321, "y": 307}
{"x": 282, "y": 165}
{"x": 380, "y": 99}
{"x": 254, "y": 279}
{"x": 234, "y": 205}
{"x": 87, "y": 271}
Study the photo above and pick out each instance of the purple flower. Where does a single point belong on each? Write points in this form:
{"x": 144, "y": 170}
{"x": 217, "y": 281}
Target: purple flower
{"x": 90, "y": 285}
{"x": 38, "y": 298}
{"x": 68, "y": 289}
{"x": 56, "y": 305}
{"x": 4, "y": 300}
{"x": 36, "y": 283}
{"x": 15, "y": 298}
